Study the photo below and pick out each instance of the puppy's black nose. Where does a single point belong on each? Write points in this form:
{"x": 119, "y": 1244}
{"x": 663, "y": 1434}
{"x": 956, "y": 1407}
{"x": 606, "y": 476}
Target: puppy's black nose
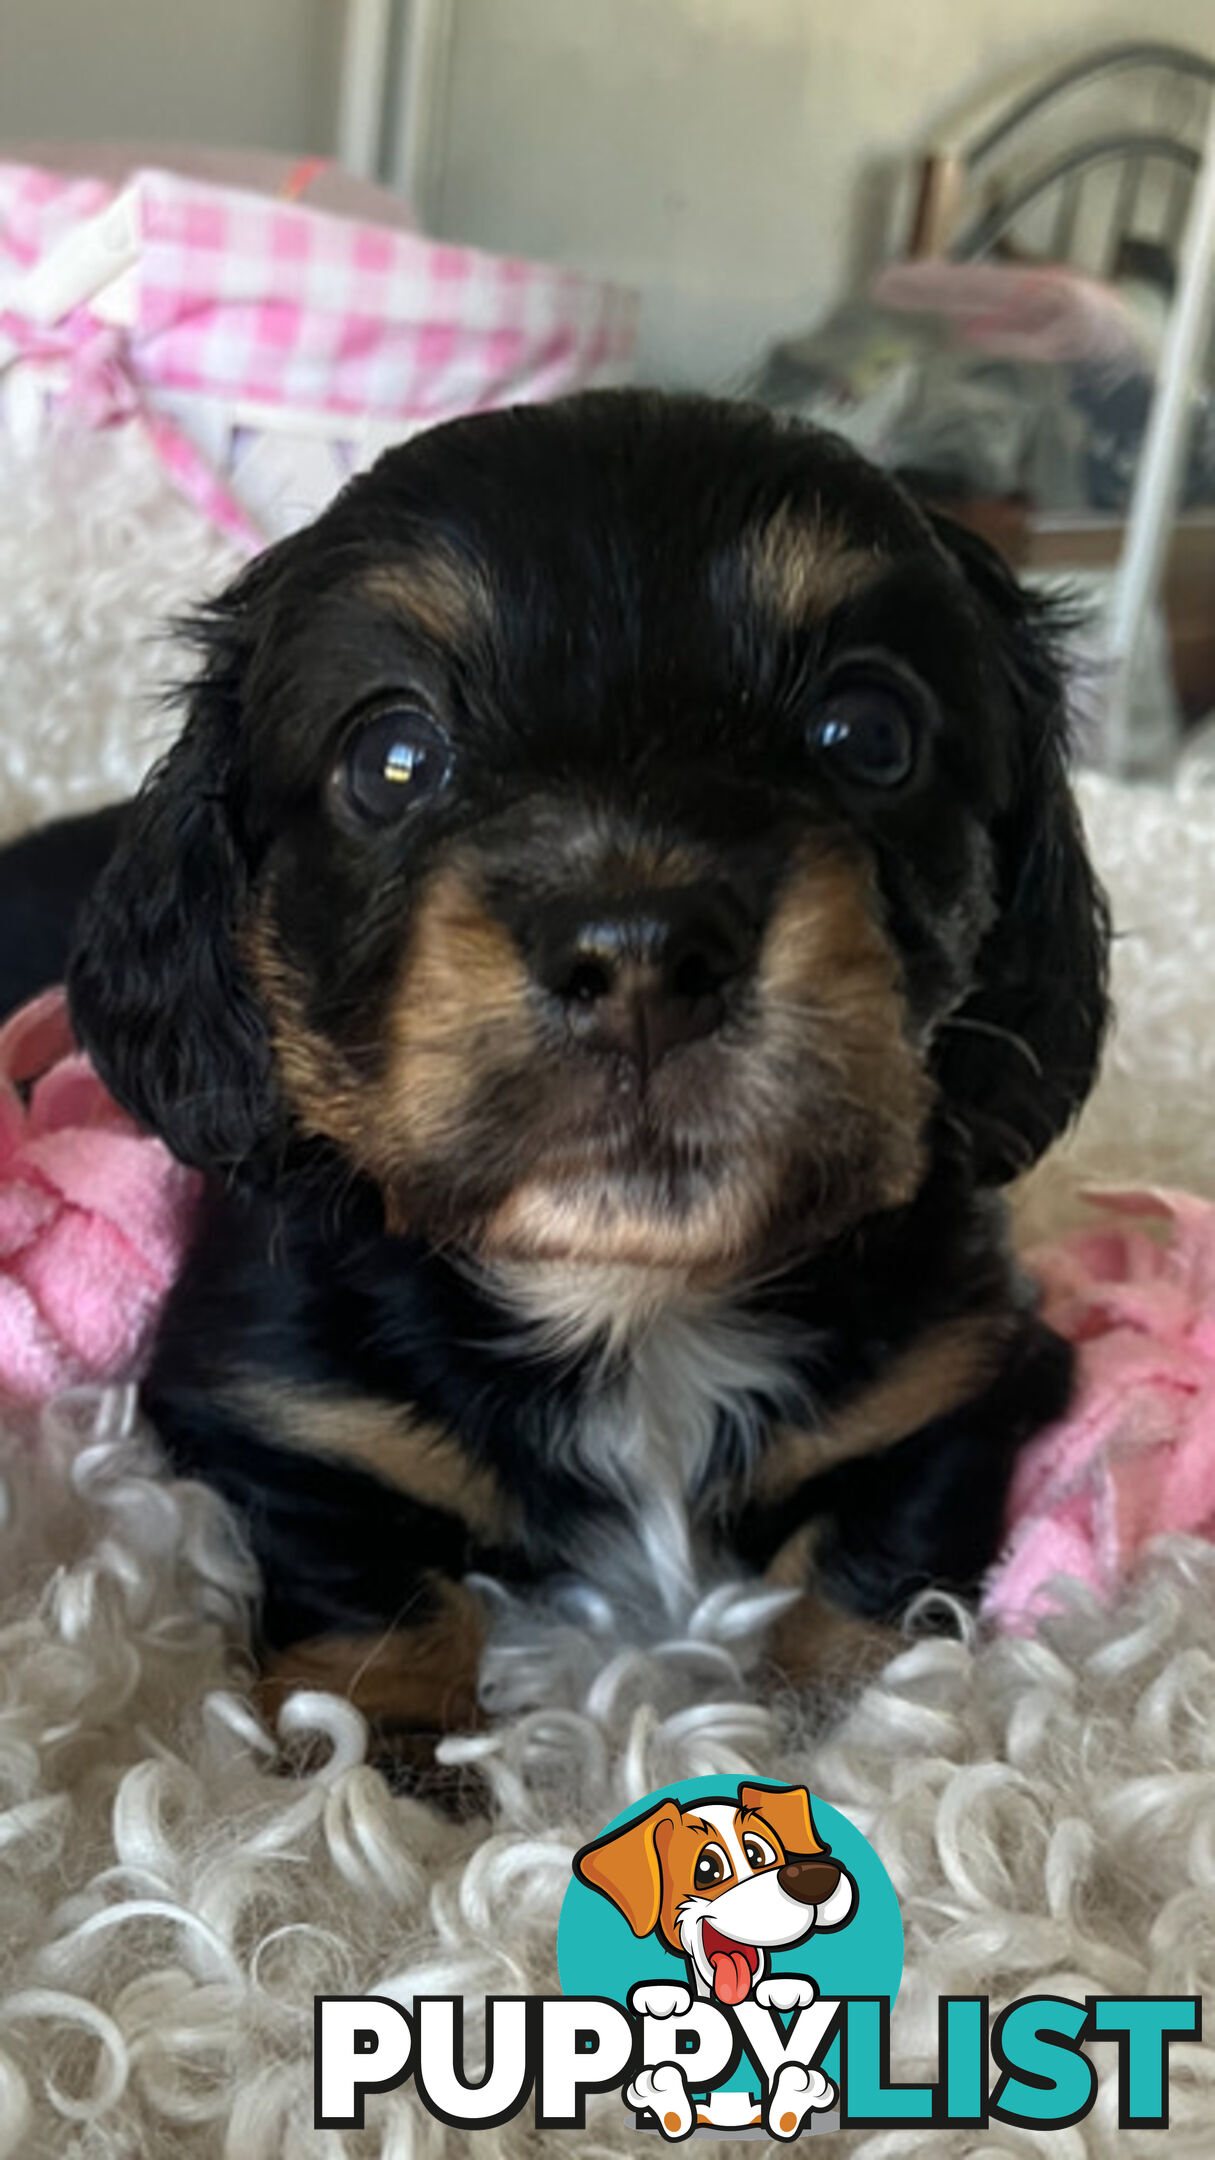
{"x": 811, "y": 1882}
{"x": 639, "y": 977}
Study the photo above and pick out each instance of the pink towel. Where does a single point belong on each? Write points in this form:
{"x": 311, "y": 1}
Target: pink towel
{"x": 1136, "y": 1454}
{"x": 94, "y": 1216}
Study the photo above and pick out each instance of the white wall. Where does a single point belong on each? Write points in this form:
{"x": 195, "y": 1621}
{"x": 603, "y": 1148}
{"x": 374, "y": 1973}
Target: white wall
{"x": 232, "y": 72}
{"x": 732, "y": 157}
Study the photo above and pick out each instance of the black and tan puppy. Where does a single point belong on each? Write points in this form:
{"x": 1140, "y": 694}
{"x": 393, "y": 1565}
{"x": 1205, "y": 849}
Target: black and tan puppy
{"x": 614, "y": 917}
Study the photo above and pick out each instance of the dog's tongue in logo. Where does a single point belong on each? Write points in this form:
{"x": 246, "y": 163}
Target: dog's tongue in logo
{"x": 734, "y": 1964}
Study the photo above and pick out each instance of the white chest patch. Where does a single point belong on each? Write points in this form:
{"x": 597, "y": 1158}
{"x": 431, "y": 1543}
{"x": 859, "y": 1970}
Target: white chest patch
{"x": 671, "y": 1369}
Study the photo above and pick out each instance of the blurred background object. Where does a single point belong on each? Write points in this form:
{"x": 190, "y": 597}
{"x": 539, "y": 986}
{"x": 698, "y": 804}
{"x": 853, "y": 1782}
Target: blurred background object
{"x": 1041, "y": 366}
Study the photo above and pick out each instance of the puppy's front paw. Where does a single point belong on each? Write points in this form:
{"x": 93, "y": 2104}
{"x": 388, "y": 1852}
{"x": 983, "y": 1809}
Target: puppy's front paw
{"x": 660, "y": 1999}
{"x": 798, "y": 2092}
{"x": 664, "y": 2089}
{"x": 786, "y": 1991}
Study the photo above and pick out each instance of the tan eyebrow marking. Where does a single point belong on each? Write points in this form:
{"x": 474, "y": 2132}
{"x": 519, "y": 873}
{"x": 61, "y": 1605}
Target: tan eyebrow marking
{"x": 800, "y": 566}
{"x": 444, "y": 594}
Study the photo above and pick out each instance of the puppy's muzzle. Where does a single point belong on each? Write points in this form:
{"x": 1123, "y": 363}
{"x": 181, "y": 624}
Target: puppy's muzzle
{"x": 640, "y": 977}
{"x": 810, "y": 1882}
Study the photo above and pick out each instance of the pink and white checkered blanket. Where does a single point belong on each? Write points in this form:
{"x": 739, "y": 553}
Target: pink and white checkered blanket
{"x": 221, "y": 320}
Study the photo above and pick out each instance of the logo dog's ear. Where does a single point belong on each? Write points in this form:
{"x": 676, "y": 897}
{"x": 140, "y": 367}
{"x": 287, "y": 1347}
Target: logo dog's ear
{"x": 626, "y": 1866}
{"x": 158, "y": 992}
{"x": 785, "y": 1809}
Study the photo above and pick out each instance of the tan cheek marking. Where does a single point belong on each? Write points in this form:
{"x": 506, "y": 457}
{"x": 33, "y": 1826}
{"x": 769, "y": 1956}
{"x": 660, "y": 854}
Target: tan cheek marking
{"x": 422, "y": 1677}
{"x": 826, "y": 946}
{"x": 799, "y": 568}
{"x": 388, "y": 1439}
{"x": 830, "y": 980}
{"x": 315, "y": 1078}
{"x": 462, "y": 1010}
{"x": 947, "y": 1366}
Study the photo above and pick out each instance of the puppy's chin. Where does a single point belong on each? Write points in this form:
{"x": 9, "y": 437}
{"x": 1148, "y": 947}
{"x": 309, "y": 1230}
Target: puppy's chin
{"x": 706, "y": 1235}
{"x": 753, "y": 1215}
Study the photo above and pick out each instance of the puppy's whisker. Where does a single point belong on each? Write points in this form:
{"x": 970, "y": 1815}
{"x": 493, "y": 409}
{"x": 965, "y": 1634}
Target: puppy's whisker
{"x": 959, "y": 1023}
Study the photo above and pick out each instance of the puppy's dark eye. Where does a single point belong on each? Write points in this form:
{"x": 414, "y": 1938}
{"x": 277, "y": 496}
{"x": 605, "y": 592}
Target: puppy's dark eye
{"x": 711, "y": 1867}
{"x": 868, "y": 732}
{"x": 397, "y": 757}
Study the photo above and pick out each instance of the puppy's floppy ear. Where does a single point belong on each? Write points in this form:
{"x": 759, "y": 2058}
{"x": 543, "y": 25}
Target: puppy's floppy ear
{"x": 625, "y": 1866}
{"x": 1016, "y": 1061}
{"x": 157, "y": 991}
{"x": 787, "y": 1811}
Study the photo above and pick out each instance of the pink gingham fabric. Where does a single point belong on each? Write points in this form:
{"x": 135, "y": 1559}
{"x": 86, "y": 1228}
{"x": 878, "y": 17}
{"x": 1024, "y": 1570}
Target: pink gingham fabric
{"x": 260, "y": 301}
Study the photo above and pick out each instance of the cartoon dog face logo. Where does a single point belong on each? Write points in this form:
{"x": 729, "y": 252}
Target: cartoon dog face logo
{"x": 723, "y": 1882}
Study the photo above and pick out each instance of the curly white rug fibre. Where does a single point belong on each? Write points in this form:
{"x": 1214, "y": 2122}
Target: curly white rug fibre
{"x": 168, "y": 1906}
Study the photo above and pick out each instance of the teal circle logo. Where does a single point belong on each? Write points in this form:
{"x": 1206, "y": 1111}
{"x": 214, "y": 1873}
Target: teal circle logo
{"x": 721, "y": 1885}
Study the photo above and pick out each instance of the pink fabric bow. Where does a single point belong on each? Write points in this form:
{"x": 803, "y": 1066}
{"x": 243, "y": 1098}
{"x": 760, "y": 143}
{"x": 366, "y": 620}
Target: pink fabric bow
{"x": 1136, "y": 1454}
{"x": 103, "y": 388}
{"x": 94, "y": 1216}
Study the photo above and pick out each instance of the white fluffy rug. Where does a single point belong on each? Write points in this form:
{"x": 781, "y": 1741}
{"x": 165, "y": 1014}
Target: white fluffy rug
{"x": 168, "y": 1907}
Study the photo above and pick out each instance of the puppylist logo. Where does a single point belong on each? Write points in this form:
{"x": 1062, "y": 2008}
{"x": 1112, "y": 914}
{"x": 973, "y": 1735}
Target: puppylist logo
{"x": 729, "y": 1953}
{"x": 734, "y": 1919}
